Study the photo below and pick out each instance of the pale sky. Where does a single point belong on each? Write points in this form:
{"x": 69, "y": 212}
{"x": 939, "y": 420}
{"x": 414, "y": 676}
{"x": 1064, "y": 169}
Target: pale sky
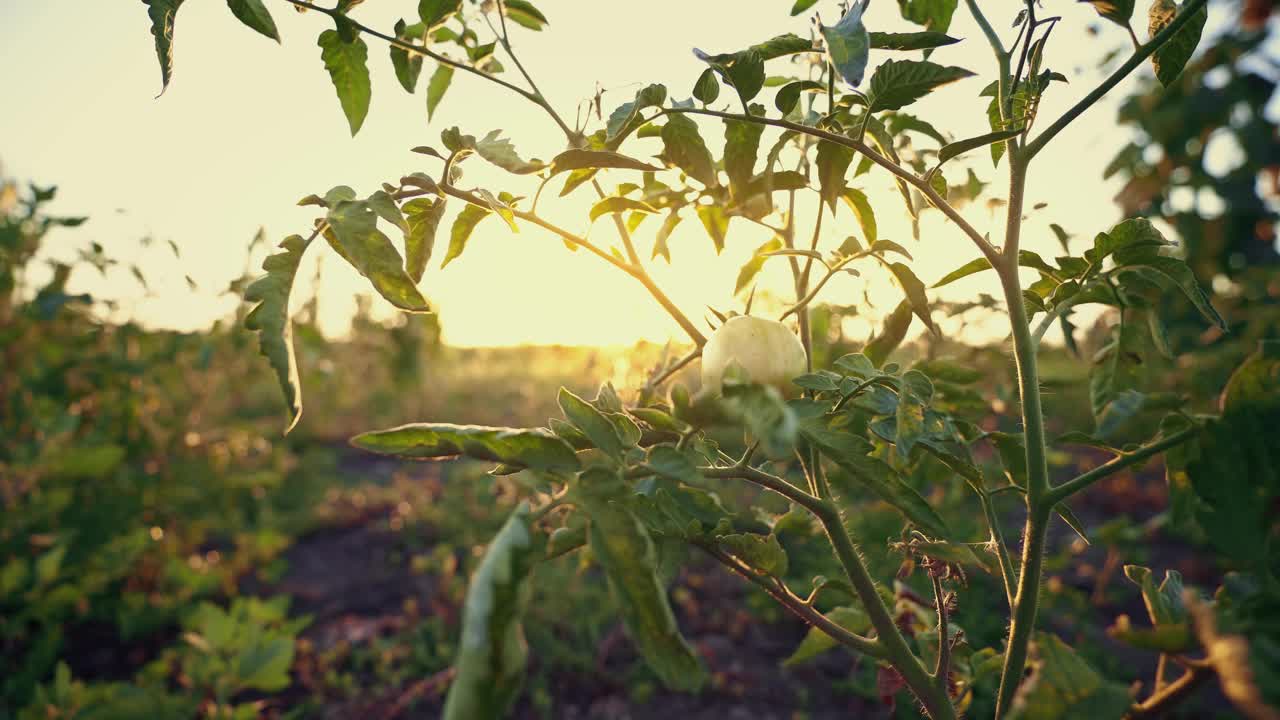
{"x": 248, "y": 127}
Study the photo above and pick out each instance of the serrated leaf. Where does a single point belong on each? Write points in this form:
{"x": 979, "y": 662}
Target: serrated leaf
{"x": 1169, "y": 59}
{"x": 499, "y": 151}
{"x": 433, "y": 13}
{"x": 933, "y": 14}
{"x": 348, "y": 66}
{"x": 684, "y": 147}
{"x": 463, "y": 225}
{"x": 255, "y": 15}
{"x": 270, "y": 319}
{"x": 1168, "y": 270}
{"x": 437, "y": 86}
{"x": 162, "y": 14}
{"x": 624, "y": 549}
{"x": 407, "y": 66}
{"x": 744, "y": 71}
{"x": 817, "y": 642}
{"x": 761, "y": 552}
{"x": 669, "y": 224}
{"x": 536, "y": 448}
{"x": 626, "y": 117}
{"x": 354, "y": 234}
{"x": 741, "y": 148}
{"x": 848, "y": 44}
{"x": 423, "y": 218}
{"x": 833, "y": 162}
{"x": 715, "y": 222}
{"x": 1117, "y": 11}
{"x": 492, "y": 653}
{"x": 1061, "y": 685}
{"x": 707, "y": 88}
{"x": 580, "y": 159}
{"x": 898, "y": 83}
{"x": 594, "y": 425}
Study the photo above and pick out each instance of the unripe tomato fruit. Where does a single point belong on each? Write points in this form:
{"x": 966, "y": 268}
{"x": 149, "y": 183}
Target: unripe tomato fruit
{"x": 766, "y": 350}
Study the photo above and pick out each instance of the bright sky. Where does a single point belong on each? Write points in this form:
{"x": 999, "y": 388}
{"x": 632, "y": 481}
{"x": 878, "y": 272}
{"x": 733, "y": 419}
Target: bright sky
{"x": 248, "y": 127}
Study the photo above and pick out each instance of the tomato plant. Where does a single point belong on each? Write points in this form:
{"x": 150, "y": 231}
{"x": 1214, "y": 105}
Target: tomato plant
{"x": 623, "y": 475}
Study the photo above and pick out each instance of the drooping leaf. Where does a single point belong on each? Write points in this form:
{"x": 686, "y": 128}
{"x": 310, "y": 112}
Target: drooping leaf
{"x": 1062, "y": 685}
{"x": 255, "y": 15}
{"x": 861, "y": 207}
{"x": 624, "y": 549}
{"x": 741, "y": 148}
{"x": 626, "y": 117}
{"x": 162, "y": 14}
{"x": 1117, "y": 11}
{"x": 592, "y": 423}
{"x": 436, "y": 87}
{"x": 407, "y": 65}
{"x": 270, "y": 319}
{"x": 348, "y": 67}
{"x": 898, "y": 83}
{"x": 802, "y": 5}
{"x": 684, "y": 147}
{"x": 499, "y": 151}
{"x": 707, "y": 88}
{"x": 492, "y": 653}
{"x": 532, "y": 448}
{"x": 669, "y": 224}
{"x": 1169, "y": 59}
{"x": 765, "y": 414}
{"x": 788, "y": 96}
{"x": 423, "y": 216}
{"x": 744, "y": 71}
{"x": 1119, "y": 365}
{"x": 833, "y": 162}
{"x": 891, "y": 335}
{"x": 848, "y": 44}
{"x": 354, "y": 234}
{"x": 463, "y": 225}
{"x": 1172, "y": 271}
{"x": 715, "y": 222}
{"x": 914, "y": 290}
{"x": 925, "y": 40}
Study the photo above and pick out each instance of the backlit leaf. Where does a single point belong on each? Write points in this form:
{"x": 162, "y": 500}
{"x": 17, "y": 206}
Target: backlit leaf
{"x": 1169, "y": 59}
{"x": 255, "y": 15}
{"x": 270, "y": 319}
{"x": 898, "y": 83}
{"x": 347, "y": 64}
{"x": 535, "y": 448}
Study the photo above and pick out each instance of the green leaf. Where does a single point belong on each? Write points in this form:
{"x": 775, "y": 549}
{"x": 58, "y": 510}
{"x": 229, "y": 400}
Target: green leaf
{"x": 788, "y": 96}
{"x": 423, "y": 217}
{"x": 347, "y": 64}
{"x": 744, "y": 71}
{"x": 385, "y": 207}
{"x": 1118, "y": 365}
{"x": 463, "y": 225}
{"x": 1061, "y": 685}
{"x": 802, "y": 5}
{"x": 408, "y": 67}
{"x": 669, "y": 224}
{"x": 683, "y": 146}
{"x": 1169, "y": 59}
{"x": 162, "y": 14}
{"x": 716, "y": 223}
{"x": 848, "y": 44}
{"x": 861, "y": 207}
{"x": 670, "y": 463}
{"x": 254, "y": 14}
{"x": 1163, "y": 601}
{"x": 933, "y": 14}
{"x": 925, "y": 40}
{"x": 761, "y": 552}
{"x": 898, "y": 83}
{"x": 707, "y": 88}
{"x": 1167, "y": 270}
{"x": 963, "y": 146}
{"x": 264, "y": 663}
{"x": 594, "y": 424}
{"x": 354, "y": 235}
{"x": 1117, "y": 11}
{"x": 817, "y": 642}
{"x": 753, "y": 266}
{"x": 833, "y": 164}
{"x": 766, "y": 415}
{"x": 524, "y": 14}
{"x": 741, "y": 148}
{"x": 891, "y": 335}
{"x": 536, "y": 448}
{"x": 435, "y": 12}
{"x": 492, "y": 653}
{"x": 782, "y": 45}
{"x": 624, "y": 549}
{"x": 617, "y": 204}
{"x": 499, "y": 151}
{"x": 626, "y": 118}
{"x": 1128, "y": 240}
{"x": 914, "y": 290}
{"x": 580, "y": 159}
{"x": 436, "y": 87}
{"x": 270, "y": 319}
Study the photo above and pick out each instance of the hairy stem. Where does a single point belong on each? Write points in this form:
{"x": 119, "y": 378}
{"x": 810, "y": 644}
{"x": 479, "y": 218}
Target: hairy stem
{"x": 1008, "y": 575}
{"x": 1075, "y": 485}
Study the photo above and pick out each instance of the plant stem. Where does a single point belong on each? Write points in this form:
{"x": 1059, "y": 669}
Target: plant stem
{"x": 1159, "y": 703}
{"x": 943, "y": 671}
{"x": 1071, "y": 487}
{"x": 1142, "y": 53}
{"x": 1007, "y": 573}
{"x": 1038, "y": 509}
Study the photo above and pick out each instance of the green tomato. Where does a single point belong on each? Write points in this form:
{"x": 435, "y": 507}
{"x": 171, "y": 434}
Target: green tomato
{"x": 766, "y": 351}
